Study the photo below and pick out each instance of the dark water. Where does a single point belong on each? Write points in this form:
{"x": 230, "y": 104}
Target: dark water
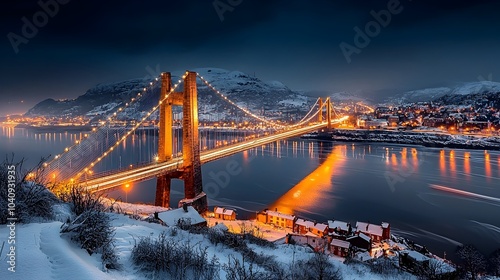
{"x": 437, "y": 197}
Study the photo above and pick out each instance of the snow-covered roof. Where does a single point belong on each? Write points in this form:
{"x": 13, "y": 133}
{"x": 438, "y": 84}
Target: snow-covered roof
{"x": 364, "y": 236}
{"x": 338, "y": 224}
{"x": 223, "y": 211}
{"x": 304, "y": 223}
{"x": 310, "y": 234}
{"x": 361, "y": 235}
{"x": 280, "y": 215}
{"x": 385, "y": 225}
{"x": 173, "y": 216}
{"x": 340, "y": 243}
{"x": 369, "y": 228}
{"x": 320, "y": 226}
{"x": 220, "y": 227}
{"x": 415, "y": 255}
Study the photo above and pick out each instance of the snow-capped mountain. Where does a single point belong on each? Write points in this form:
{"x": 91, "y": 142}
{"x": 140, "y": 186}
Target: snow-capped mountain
{"x": 477, "y": 87}
{"x": 245, "y": 90}
{"x": 420, "y": 95}
{"x": 341, "y": 96}
{"x": 458, "y": 92}
{"x": 99, "y": 99}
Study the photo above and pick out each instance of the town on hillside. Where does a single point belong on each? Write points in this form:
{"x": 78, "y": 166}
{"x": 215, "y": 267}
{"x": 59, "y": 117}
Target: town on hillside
{"x": 362, "y": 241}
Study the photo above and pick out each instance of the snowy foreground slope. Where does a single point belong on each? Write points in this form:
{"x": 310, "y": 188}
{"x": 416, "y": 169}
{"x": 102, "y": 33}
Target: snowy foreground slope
{"x": 42, "y": 253}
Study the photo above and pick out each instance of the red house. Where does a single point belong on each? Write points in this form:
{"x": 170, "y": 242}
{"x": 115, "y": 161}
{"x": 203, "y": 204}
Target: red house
{"x": 375, "y": 232}
{"x": 340, "y": 247}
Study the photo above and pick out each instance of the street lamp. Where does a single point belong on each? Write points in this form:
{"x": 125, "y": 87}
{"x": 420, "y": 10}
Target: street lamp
{"x": 127, "y": 186}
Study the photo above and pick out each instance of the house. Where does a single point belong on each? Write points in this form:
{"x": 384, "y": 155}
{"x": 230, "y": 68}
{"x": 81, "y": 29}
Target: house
{"x": 309, "y": 239}
{"x": 375, "y": 232}
{"x": 186, "y": 215}
{"x": 361, "y": 241}
{"x": 262, "y": 217}
{"x": 302, "y": 226}
{"x": 340, "y": 247}
{"x": 224, "y": 214}
{"x": 319, "y": 229}
{"x": 338, "y": 229}
{"x": 413, "y": 260}
{"x": 432, "y": 121}
{"x": 393, "y": 121}
{"x": 386, "y": 231}
{"x": 280, "y": 219}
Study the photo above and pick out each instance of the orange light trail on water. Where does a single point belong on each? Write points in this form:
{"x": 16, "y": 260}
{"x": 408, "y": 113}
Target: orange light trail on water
{"x": 463, "y": 193}
{"x": 467, "y": 164}
{"x": 453, "y": 165}
{"x": 309, "y": 191}
{"x": 487, "y": 165}
{"x": 442, "y": 163}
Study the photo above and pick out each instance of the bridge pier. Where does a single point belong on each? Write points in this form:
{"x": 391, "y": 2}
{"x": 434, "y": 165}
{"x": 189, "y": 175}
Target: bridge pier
{"x": 190, "y": 171}
{"x": 162, "y": 197}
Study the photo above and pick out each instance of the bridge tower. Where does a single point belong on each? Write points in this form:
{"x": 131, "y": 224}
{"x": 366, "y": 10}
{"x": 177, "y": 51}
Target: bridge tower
{"x": 320, "y": 113}
{"x": 190, "y": 171}
{"x": 329, "y": 113}
{"x": 328, "y": 110}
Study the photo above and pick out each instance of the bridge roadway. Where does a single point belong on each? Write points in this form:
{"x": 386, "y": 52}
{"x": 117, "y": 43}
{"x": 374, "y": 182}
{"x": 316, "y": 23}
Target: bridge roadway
{"x": 115, "y": 180}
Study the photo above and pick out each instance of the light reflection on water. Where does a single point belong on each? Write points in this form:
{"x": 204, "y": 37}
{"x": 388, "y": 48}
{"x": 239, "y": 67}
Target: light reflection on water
{"x": 311, "y": 190}
{"x": 345, "y": 181}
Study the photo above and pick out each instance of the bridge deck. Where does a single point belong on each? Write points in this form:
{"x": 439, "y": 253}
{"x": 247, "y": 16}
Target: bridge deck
{"x": 154, "y": 169}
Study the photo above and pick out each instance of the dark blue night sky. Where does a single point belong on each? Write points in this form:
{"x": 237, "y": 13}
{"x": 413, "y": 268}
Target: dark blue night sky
{"x": 424, "y": 44}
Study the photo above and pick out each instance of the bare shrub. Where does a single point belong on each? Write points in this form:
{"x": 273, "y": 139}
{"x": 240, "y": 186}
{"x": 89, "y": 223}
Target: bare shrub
{"x": 163, "y": 255}
{"x": 494, "y": 263}
{"x": 92, "y": 230}
{"x": 473, "y": 261}
{"x": 320, "y": 267}
{"x": 382, "y": 266}
{"x": 82, "y": 200}
{"x": 31, "y": 199}
{"x": 242, "y": 270}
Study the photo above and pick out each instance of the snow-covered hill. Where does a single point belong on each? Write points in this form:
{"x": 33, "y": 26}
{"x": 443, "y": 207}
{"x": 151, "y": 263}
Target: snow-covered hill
{"x": 247, "y": 91}
{"x": 341, "y": 96}
{"x": 476, "y": 87}
{"x": 43, "y": 253}
{"x": 431, "y": 94}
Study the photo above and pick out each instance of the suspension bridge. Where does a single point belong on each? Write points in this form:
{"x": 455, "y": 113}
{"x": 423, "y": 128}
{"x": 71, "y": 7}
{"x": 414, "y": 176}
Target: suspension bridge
{"x": 75, "y": 164}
